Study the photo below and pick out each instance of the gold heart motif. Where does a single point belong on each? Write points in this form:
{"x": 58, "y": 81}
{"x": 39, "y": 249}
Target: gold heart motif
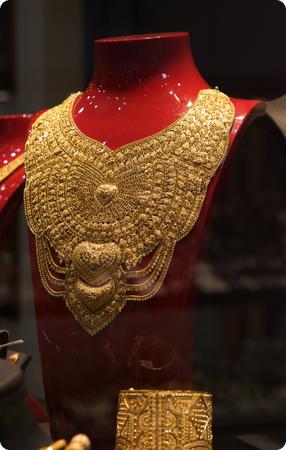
{"x": 94, "y": 297}
{"x": 105, "y": 193}
{"x": 95, "y": 262}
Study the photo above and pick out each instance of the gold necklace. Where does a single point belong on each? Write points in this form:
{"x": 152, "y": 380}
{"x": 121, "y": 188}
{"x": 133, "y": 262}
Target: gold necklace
{"x": 96, "y": 214}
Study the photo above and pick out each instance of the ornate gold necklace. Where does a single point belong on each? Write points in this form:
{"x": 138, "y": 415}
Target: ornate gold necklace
{"x": 96, "y": 214}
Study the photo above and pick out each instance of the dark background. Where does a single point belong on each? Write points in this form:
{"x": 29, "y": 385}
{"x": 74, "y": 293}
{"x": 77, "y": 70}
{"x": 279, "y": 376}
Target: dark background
{"x": 6, "y": 51}
{"x": 238, "y": 45}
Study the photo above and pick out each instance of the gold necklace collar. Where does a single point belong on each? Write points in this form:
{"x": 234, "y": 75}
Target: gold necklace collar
{"x": 97, "y": 214}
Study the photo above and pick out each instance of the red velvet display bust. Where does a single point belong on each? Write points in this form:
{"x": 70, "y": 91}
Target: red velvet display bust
{"x": 140, "y": 85}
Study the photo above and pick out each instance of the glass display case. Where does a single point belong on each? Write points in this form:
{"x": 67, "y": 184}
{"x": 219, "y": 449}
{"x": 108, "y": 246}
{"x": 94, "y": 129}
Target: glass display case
{"x": 154, "y": 204}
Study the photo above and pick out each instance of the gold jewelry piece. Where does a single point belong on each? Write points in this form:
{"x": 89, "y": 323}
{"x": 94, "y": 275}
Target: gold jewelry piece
{"x": 96, "y": 214}
{"x": 14, "y": 357}
{"x": 58, "y": 445}
{"x": 78, "y": 442}
{"x": 159, "y": 420}
{"x": 9, "y": 168}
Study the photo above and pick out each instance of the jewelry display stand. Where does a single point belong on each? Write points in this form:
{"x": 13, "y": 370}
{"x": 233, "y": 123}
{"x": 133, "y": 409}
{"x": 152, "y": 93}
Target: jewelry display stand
{"x": 140, "y": 85}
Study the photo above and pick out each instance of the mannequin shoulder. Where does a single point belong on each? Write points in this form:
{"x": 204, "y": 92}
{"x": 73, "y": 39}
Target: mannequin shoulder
{"x": 13, "y": 135}
{"x": 34, "y": 117}
{"x": 245, "y": 112}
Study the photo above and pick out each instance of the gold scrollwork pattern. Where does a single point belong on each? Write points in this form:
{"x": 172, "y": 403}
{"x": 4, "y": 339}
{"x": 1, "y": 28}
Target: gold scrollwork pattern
{"x": 96, "y": 214}
{"x": 159, "y": 420}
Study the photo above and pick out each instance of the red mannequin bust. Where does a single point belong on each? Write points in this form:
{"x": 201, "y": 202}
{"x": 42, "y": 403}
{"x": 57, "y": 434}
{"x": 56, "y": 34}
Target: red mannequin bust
{"x": 140, "y": 85}
{"x": 13, "y": 134}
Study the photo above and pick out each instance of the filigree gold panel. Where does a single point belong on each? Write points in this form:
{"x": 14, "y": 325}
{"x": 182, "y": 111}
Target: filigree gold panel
{"x": 164, "y": 420}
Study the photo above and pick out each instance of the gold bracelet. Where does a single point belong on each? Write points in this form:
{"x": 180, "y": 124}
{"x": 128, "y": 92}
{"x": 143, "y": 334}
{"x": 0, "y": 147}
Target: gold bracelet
{"x": 159, "y": 420}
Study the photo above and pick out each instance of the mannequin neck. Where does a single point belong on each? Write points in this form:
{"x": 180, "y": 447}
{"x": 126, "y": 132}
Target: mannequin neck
{"x": 140, "y": 85}
{"x": 126, "y": 62}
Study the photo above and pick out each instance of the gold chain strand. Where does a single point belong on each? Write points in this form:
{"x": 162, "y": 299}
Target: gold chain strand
{"x": 159, "y": 282}
{"x": 156, "y": 275}
{"x": 46, "y": 251}
{"x": 44, "y": 274}
{"x": 103, "y": 212}
{"x": 152, "y": 275}
{"x": 45, "y": 269}
{"x": 158, "y": 256}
